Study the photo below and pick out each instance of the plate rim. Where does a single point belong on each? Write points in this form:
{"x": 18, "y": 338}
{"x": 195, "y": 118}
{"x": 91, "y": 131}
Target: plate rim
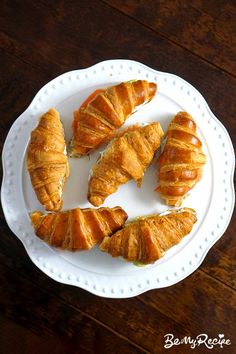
{"x": 149, "y": 286}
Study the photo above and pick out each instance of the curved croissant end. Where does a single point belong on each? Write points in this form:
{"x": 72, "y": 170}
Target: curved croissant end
{"x": 78, "y": 229}
{"x": 47, "y": 162}
{"x": 146, "y": 239}
{"x": 181, "y": 161}
{"x": 106, "y": 110}
{"x": 126, "y": 157}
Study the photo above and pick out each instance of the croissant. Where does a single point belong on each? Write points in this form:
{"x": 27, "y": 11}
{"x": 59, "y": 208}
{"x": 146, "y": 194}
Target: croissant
{"x": 125, "y": 158}
{"x": 47, "y": 162}
{"x": 78, "y": 229}
{"x": 106, "y": 110}
{"x": 181, "y": 161}
{"x": 146, "y": 239}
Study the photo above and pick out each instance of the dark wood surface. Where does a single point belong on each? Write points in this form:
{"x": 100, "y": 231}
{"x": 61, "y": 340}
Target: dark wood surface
{"x": 40, "y": 40}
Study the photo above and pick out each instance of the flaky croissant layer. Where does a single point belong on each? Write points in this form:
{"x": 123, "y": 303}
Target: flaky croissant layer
{"x": 127, "y": 157}
{"x": 146, "y": 239}
{"x": 181, "y": 161}
{"x": 106, "y": 111}
{"x": 47, "y": 162}
{"x": 77, "y": 229}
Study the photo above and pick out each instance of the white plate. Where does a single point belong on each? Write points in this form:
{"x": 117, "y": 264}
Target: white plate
{"x": 95, "y": 271}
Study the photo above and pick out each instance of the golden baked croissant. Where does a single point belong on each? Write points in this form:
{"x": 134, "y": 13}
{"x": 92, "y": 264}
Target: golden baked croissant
{"x": 125, "y": 158}
{"x": 47, "y": 161}
{"x": 78, "y": 229}
{"x": 181, "y": 161}
{"x": 146, "y": 239}
{"x": 106, "y": 110}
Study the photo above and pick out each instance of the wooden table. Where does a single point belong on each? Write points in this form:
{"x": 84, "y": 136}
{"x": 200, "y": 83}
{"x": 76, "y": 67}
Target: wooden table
{"x": 40, "y": 40}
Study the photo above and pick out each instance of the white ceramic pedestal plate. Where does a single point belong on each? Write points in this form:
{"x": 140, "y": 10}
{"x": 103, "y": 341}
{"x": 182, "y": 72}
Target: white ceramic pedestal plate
{"x": 97, "y": 272}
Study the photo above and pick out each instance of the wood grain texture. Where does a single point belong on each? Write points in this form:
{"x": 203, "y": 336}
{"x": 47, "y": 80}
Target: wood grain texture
{"x": 21, "y": 340}
{"x": 221, "y": 263}
{"x": 206, "y": 28}
{"x": 40, "y": 40}
{"x": 45, "y": 314}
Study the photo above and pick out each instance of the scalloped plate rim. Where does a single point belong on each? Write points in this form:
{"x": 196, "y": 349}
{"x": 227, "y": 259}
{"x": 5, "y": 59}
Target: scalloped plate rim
{"x": 146, "y": 287}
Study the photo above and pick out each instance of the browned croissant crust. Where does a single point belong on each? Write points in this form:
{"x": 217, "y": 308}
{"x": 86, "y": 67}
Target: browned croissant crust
{"x": 105, "y": 111}
{"x": 181, "y": 161}
{"x": 125, "y": 158}
{"x": 47, "y": 161}
{"x": 78, "y": 229}
{"x": 146, "y": 239}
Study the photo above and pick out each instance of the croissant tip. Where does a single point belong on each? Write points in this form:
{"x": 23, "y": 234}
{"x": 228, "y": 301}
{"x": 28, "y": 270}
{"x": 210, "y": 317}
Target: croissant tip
{"x": 35, "y": 216}
{"x": 52, "y": 111}
{"x": 188, "y": 210}
{"x": 174, "y": 203}
{"x": 95, "y": 201}
{"x": 73, "y": 153}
